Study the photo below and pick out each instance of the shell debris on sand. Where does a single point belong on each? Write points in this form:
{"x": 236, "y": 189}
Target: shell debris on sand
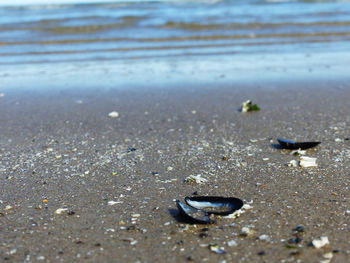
{"x": 307, "y": 161}
{"x": 113, "y": 114}
{"x": 237, "y": 213}
{"x": 321, "y": 242}
{"x": 215, "y": 248}
{"x": 114, "y": 202}
{"x": 60, "y": 210}
{"x": 248, "y": 106}
{"x": 293, "y": 163}
{"x": 246, "y": 231}
{"x": 195, "y": 179}
{"x": 304, "y": 162}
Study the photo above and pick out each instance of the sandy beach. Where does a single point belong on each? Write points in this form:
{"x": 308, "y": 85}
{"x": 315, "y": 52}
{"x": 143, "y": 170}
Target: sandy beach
{"x": 117, "y": 178}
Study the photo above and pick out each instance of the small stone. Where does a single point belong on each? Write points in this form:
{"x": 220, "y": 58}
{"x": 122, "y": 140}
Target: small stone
{"x": 298, "y": 229}
{"x": 8, "y": 207}
{"x": 265, "y": 238}
{"x": 232, "y": 243}
{"x": 246, "y": 231}
{"x": 113, "y": 114}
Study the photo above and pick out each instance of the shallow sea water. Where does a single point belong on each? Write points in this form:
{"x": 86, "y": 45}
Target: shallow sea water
{"x": 125, "y": 42}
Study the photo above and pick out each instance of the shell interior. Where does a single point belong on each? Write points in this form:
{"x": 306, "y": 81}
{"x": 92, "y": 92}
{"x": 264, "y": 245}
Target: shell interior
{"x": 200, "y": 208}
{"x": 215, "y": 204}
{"x": 193, "y": 214}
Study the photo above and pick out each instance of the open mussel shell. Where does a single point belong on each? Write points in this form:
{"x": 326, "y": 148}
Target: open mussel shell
{"x": 193, "y": 215}
{"x": 291, "y": 145}
{"x": 201, "y": 208}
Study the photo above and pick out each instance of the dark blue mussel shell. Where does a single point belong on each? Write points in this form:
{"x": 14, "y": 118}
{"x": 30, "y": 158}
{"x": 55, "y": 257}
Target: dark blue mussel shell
{"x": 291, "y": 145}
{"x": 200, "y": 209}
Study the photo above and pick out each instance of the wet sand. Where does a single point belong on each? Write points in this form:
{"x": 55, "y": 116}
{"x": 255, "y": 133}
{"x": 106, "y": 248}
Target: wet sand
{"x": 60, "y": 149}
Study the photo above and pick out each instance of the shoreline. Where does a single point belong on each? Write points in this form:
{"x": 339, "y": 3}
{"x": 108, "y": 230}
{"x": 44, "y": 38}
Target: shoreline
{"x": 61, "y": 146}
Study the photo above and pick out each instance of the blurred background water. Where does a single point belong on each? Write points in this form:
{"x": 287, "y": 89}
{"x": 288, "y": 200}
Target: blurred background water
{"x": 214, "y": 39}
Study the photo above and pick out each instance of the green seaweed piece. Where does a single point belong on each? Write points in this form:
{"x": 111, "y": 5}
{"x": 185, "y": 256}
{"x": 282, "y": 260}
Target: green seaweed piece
{"x": 254, "y": 107}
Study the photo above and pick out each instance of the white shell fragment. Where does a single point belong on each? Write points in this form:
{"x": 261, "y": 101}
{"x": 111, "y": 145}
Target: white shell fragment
{"x": 307, "y": 161}
{"x": 195, "y": 179}
{"x": 113, "y": 114}
{"x": 215, "y": 248}
{"x": 321, "y": 242}
{"x": 8, "y": 207}
{"x": 298, "y": 152}
{"x": 327, "y": 257}
{"x": 293, "y": 163}
{"x": 246, "y": 106}
{"x": 232, "y": 243}
{"x": 60, "y": 210}
{"x": 265, "y": 238}
{"x": 114, "y": 202}
{"x": 237, "y": 213}
{"x": 246, "y": 231}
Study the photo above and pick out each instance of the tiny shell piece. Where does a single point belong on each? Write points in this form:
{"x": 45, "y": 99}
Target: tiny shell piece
{"x": 232, "y": 243}
{"x": 114, "y": 202}
{"x": 246, "y": 231}
{"x": 113, "y": 114}
{"x": 238, "y": 212}
{"x": 195, "y": 179}
{"x": 293, "y": 163}
{"x": 298, "y": 152}
{"x": 60, "y": 210}
{"x": 215, "y": 248}
{"x": 8, "y": 207}
{"x": 265, "y": 238}
{"x": 308, "y": 161}
{"x": 321, "y": 242}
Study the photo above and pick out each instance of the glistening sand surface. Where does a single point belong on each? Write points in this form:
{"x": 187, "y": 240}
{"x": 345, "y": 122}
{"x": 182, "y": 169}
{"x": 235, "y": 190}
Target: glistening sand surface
{"x": 62, "y": 147}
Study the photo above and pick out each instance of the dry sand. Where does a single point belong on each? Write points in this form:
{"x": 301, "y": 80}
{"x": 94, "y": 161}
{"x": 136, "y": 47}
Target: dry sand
{"x": 60, "y": 149}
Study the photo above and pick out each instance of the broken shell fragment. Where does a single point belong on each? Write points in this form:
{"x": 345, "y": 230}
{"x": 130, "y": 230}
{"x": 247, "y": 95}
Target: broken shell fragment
{"x": 195, "y": 179}
{"x": 215, "y": 248}
{"x": 307, "y": 161}
{"x": 193, "y": 215}
{"x": 113, "y": 114}
{"x": 291, "y": 145}
{"x": 321, "y": 242}
{"x": 60, "y": 210}
{"x": 248, "y": 106}
{"x": 200, "y": 209}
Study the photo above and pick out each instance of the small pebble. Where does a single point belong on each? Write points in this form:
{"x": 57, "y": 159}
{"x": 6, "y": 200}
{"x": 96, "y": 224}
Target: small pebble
{"x": 232, "y": 243}
{"x": 8, "y": 207}
{"x": 265, "y": 238}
